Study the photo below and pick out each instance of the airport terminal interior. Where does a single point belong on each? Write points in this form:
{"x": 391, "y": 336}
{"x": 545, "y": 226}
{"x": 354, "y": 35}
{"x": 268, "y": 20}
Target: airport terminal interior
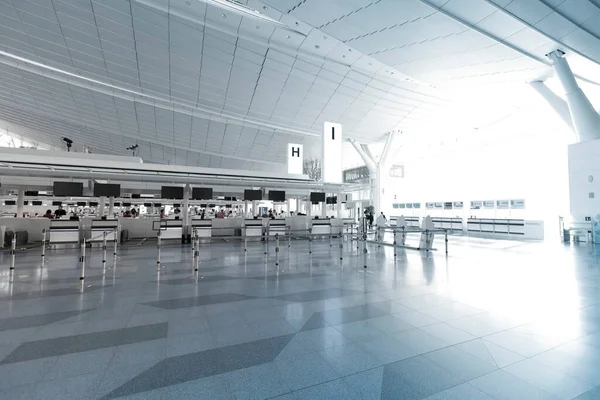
{"x": 300, "y": 199}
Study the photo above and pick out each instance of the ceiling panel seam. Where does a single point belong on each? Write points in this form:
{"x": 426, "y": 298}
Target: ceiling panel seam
{"x": 350, "y": 13}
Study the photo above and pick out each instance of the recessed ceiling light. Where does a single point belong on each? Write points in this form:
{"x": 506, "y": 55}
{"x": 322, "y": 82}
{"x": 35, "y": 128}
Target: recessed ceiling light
{"x": 317, "y": 46}
{"x": 297, "y": 23}
{"x": 289, "y": 37}
{"x": 350, "y": 50}
{"x": 325, "y": 37}
{"x": 343, "y": 56}
{"x": 370, "y": 63}
{"x": 223, "y": 15}
{"x": 265, "y": 8}
{"x": 257, "y": 27}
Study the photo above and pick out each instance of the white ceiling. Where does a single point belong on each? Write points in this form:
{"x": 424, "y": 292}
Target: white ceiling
{"x": 196, "y": 85}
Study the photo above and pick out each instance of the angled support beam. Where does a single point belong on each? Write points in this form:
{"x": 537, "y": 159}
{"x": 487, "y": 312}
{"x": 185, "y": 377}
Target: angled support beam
{"x": 559, "y": 105}
{"x": 365, "y": 155}
{"x": 586, "y": 120}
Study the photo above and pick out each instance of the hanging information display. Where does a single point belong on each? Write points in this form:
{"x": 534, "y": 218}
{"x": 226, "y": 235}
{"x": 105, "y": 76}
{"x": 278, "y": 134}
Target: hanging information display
{"x": 476, "y": 205}
{"x": 502, "y": 204}
{"x": 429, "y": 205}
{"x": 416, "y": 205}
{"x": 517, "y": 204}
{"x": 488, "y": 204}
{"x": 458, "y": 204}
{"x": 439, "y": 205}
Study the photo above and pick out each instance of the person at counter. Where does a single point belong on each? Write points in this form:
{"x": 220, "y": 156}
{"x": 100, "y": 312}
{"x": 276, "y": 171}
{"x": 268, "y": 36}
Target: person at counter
{"x": 133, "y": 212}
{"x": 162, "y": 213}
{"x": 48, "y": 214}
{"x": 60, "y": 212}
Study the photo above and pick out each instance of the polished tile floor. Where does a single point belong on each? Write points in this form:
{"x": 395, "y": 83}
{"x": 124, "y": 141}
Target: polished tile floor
{"x": 493, "y": 320}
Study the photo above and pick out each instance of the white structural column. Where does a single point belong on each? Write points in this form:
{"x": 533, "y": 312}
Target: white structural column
{"x": 376, "y": 169}
{"x": 101, "y": 206}
{"x": 586, "y": 120}
{"x": 254, "y": 208}
{"x": 308, "y": 208}
{"x": 559, "y": 105}
{"x": 20, "y": 203}
{"x": 111, "y": 207}
{"x": 289, "y": 207}
{"x": 324, "y": 210}
{"x": 245, "y": 208}
{"x": 297, "y": 206}
{"x": 338, "y": 206}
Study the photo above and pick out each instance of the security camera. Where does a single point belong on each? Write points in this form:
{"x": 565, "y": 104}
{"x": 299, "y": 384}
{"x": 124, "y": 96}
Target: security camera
{"x": 133, "y": 148}
{"x": 69, "y": 143}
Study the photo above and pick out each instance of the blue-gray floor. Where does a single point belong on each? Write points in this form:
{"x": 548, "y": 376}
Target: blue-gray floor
{"x": 493, "y": 320}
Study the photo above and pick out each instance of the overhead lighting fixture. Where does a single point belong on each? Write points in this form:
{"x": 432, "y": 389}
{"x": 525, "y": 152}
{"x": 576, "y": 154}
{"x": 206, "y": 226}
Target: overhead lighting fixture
{"x": 245, "y": 11}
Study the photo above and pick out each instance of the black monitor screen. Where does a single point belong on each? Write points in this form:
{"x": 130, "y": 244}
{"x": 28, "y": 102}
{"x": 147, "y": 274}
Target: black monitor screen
{"x": 31, "y": 193}
{"x": 81, "y": 203}
{"x": 36, "y": 203}
{"x": 93, "y": 204}
{"x": 125, "y": 204}
{"x": 68, "y": 189}
{"x": 147, "y": 204}
{"x": 252, "y": 195}
{"x": 171, "y": 192}
{"x": 227, "y": 205}
{"x": 203, "y": 205}
{"x": 57, "y": 203}
{"x": 117, "y": 204}
{"x": 317, "y": 197}
{"x": 136, "y": 195}
{"x": 176, "y": 205}
{"x": 202, "y": 193}
{"x": 212, "y": 205}
{"x": 276, "y": 195}
{"x": 107, "y": 189}
{"x": 25, "y": 203}
{"x": 10, "y": 203}
{"x": 157, "y": 204}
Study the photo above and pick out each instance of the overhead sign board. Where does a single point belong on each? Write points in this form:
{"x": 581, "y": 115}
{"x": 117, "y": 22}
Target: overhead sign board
{"x": 488, "y": 204}
{"x": 295, "y": 158}
{"x": 332, "y": 153}
{"x": 517, "y": 204}
{"x": 502, "y": 204}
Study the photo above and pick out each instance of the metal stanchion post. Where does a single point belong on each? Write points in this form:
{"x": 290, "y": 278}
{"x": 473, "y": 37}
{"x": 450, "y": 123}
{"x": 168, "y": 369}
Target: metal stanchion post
{"x": 158, "y": 251}
{"x": 193, "y": 241}
{"x": 330, "y": 237}
{"x": 395, "y": 243}
{"x": 289, "y": 237}
{"x": 446, "y": 239}
{"x": 341, "y": 244}
{"x": 310, "y": 241}
{"x": 13, "y": 251}
{"x": 115, "y": 244}
{"x": 365, "y": 251}
{"x": 277, "y": 249}
{"x": 104, "y": 250}
{"x": 378, "y": 236}
{"x": 43, "y": 246}
{"x": 82, "y": 260}
{"x": 427, "y": 239}
{"x": 245, "y": 243}
{"x": 196, "y": 254}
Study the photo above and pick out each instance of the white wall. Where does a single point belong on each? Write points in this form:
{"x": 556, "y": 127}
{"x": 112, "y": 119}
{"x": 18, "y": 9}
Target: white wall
{"x": 584, "y": 162}
{"x": 493, "y": 165}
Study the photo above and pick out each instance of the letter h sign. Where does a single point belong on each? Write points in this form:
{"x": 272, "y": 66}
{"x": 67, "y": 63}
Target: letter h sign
{"x": 295, "y": 158}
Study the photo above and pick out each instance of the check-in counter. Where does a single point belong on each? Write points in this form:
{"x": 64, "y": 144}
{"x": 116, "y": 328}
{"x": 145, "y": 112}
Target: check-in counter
{"x": 99, "y": 226}
{"x": 454, "y": 224}
{"x": 510, "y": 227}
{"x": 411, "y": 221}
{"x": 202, "y": 227}
{"x": 169, "y": 228}
{"x": 226, "y": 227}
{"x": 63, "y": 231}
{"x": 277, "y": 226}
{"x": 253, "y": 227}
{"x": 321, "y": 227}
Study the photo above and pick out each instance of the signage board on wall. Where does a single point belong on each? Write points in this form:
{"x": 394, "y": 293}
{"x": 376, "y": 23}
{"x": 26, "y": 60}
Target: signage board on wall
{"x": 458, "y": 204}
{"x": 448, "y": 205}
{"x": 488, "y": 204}
{"x": 395, "y": 205}
{"x": 409, "y": 205}
{"x": 517, "y": 204}
{"x": 439, "y": 205}
{"x": 401, "y": 205}
{"x": 476, "y": 205}
{"x": 502, "y": 204}
{"x": 295, "y": 158}
{"x": 429, "y": 205}
{"x": 416, "y": 205}
{"x": 332, "y": 153}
